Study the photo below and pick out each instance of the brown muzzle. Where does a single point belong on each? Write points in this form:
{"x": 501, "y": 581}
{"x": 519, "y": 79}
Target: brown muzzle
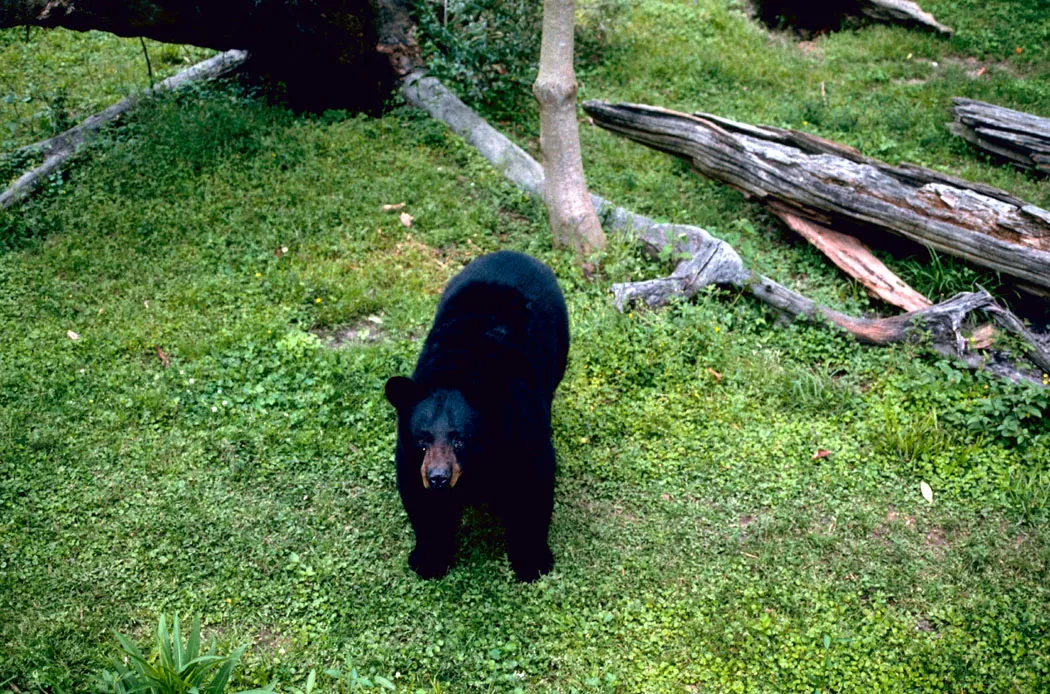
{"x": 440, "y": 468}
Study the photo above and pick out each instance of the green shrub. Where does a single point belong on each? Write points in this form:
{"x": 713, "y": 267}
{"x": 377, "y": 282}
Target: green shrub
{"x": 175, "y": 668}
{"x": 490, "y": 49}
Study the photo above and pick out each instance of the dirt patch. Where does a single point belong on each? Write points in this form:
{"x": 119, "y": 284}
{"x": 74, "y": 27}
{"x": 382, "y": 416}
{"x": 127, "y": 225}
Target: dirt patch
{"x": 936, "y": 538}
{"x": 893, "y": 517}
{"x": 973, "y": 68}
{"x": 365, "y": 331}
{"x": 979, "y": 68}
{"x": 269, "y": 640}
{"x": 811, "y": 49}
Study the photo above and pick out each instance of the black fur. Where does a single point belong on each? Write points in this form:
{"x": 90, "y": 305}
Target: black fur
{"x": 482, "y": 390}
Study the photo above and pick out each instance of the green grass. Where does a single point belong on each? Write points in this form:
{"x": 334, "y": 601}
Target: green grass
{"x": 701, "y": 544}
{"x": 53, "y": 79}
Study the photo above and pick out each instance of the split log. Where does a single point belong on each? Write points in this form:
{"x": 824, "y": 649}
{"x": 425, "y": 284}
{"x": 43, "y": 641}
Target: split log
{"x": 59, "y": 149}
{"x": 832, "y": 185}
{"x": 712, "y": 261}
{"x": 856, "y": 260}
{"x": 1021, "y": 138}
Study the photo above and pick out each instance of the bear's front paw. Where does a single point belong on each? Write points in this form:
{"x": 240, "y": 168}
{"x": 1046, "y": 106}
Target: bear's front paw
{"x": 533, "y": 565}
{"x": 429, "y": 564}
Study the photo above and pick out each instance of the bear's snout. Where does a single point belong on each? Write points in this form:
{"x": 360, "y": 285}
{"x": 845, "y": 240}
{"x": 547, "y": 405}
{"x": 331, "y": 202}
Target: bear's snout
{"x": 440, "y": 468}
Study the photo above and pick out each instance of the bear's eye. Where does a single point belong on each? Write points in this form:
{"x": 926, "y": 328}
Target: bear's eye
{"x": 422, "y": 445}
{"x": 457, "y": 444}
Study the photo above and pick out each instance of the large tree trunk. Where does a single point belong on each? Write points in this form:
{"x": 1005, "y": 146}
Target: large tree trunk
{"x": 572, "y": 218}
{"x": 364, "y": 46}
{"x": 833, "y": 185}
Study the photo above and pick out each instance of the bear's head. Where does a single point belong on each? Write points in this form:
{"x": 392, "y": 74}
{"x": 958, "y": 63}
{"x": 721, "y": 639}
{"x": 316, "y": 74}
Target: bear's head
{"x": 438, "y": 426}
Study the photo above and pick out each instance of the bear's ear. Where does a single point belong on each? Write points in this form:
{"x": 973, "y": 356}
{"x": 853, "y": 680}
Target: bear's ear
{"x": 402, "y": 392}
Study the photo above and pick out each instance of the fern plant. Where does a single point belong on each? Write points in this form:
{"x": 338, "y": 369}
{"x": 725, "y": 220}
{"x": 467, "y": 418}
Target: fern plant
{"x": 176, "y": 668}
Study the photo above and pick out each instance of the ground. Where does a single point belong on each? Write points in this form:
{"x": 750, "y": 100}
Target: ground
{"x": 200, "y": 448}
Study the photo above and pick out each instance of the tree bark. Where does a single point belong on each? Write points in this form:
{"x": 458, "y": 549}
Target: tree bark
{"x": 572, "y": 218}
{"x": 1021, "y": 138}
{"x": 832, "y": 185}
{"x": 365, "y": 45}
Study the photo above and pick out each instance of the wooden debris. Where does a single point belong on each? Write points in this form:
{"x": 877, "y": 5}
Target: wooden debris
{"x": 1021, "y": 138}
{"x": 712, "y": 261}
{"x": 856, "y": 260}
{"x": 830, "y": 184}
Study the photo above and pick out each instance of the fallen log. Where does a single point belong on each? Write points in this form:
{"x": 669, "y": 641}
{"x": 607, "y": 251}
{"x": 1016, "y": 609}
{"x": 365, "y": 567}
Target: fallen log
{"x": 832, "y": 185}
{"x": 712, "y": 261}
{"x": 1021, "y": 138}
{"x": 59, "y": 149}
{"x": 902, "y": 12}
{"x": 809, "y": 17}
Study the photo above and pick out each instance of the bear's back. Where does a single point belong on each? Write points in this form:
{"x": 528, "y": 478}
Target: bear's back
{"x": 502, "y": 316}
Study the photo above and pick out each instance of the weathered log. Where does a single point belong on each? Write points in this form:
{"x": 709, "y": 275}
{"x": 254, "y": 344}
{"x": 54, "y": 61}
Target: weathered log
{"x": 712, "y": 261}
{"x": 901, "y": 12}
{"x": 809, "y": 17}
{"x": 59, "y": 149}
{"x": 1021, "y": 138}
{"x": 833, "y": 185}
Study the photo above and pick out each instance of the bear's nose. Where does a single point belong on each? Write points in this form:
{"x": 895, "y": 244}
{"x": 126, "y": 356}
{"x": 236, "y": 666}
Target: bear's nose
{"x": 437, "y": 479}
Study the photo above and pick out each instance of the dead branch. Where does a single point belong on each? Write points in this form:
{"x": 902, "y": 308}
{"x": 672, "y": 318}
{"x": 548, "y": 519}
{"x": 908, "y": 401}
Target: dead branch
{"x": 59, "y": 149}
{"x": 1021, "y": 138}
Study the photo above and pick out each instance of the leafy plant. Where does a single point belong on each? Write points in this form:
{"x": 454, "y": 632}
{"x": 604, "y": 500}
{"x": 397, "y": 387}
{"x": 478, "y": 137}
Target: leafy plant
{"x": 349, "y": 680}
{"x": 175, "y": 668}
{"x": 1028, "y": 490}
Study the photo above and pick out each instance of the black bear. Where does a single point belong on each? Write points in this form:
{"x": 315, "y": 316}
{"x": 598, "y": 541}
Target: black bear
{"x": 474, "y": 420}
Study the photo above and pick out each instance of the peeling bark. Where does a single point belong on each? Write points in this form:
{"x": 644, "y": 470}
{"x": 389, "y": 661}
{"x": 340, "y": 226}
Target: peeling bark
{"x": 856, "y": 260}
{"x": 831, "y": 185}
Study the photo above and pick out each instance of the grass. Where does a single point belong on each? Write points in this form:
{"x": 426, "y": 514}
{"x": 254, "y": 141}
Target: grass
{"x": 701, "y": 542}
